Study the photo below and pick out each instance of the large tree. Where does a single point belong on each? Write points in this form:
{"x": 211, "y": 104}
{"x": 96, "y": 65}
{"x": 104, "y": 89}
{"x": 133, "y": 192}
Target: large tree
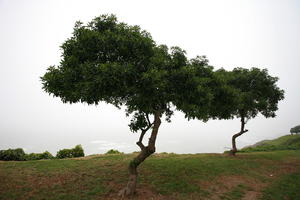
{"x": 255, "y": 92}
{"x": 119, "y": 64}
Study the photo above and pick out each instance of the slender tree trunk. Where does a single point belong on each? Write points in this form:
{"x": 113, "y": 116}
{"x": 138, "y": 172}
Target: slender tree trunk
{"x": 146, "y": 151}
{"x": 234, "y": 149}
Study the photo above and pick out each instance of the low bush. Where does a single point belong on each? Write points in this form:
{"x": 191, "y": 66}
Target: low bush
{"x": 77, "y": 151}
{"x": 113, "y": 151}
{"x": 19, "y": 154}
{"x": 39, "y": 156}
{"x": 13, "y": 154}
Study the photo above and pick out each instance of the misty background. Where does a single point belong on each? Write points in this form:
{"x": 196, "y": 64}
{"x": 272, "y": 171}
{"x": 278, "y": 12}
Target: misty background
{"x": 232, "y": 33}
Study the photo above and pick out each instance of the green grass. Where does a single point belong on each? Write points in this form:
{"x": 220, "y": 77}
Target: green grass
{"x": 171, "y": 176}
{"x": 287, "y": 142}
{"x": 286, "y": 187}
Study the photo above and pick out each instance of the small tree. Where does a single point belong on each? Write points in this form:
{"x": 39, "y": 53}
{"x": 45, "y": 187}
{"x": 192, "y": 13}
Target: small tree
{"x": 295, "y": 130}
{"x": 64, "y": 153}
{"x": 77, "y": 151}
{"x": 121, "y": 65}
{"x": 255, "y": 92}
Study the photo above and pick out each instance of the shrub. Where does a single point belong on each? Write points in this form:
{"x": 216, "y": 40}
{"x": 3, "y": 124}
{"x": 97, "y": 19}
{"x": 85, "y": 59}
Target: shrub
{"x": 64, "y": 153}
{"x": 113, "y": 151}
{"x": 77, "y": 151}
{"x": 12, "y": 154}
{"x": 39, "y": 156}
{"x": 46, "y": 155}
{"x": 32, "y": 156}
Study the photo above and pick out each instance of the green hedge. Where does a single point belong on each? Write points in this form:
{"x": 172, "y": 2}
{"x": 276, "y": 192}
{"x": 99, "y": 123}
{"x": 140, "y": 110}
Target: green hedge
{"x": 12, "y": 154}
{"x": 77, "y": 151}
{"x": 113, "y": 151}
{"x": 19, "y": 154}
{"x": 39, "y": 156}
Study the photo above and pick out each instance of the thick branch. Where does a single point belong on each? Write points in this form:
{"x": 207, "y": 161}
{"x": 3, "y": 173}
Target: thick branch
{"x": 242, "y": 131}
{"x": 156, "y": 124}
{"x": 140, "y": 142}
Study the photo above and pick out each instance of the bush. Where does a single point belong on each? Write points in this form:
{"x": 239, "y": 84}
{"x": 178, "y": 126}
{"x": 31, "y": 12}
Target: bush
{"x": 39, "y": 156}
{"x": 13, "y": 154}
{"x": 64, "y": 153}
{"x": 46, "y": 155}
{"x": 19, "y": 154}
{"x": 113, "y": 151}
{"x": 77, "y": 151}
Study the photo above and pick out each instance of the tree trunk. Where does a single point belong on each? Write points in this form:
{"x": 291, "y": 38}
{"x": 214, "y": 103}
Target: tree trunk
{"x": 234, "y": 149}
{"x": 146, "y": 151}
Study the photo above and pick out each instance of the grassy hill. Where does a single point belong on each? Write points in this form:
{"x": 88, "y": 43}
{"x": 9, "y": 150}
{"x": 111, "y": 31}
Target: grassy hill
{"x": 287, "y": 142}
{"x": 258, "y": 175}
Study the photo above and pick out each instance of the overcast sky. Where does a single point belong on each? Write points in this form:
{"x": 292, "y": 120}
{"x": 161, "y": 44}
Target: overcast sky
{"x": 231, "y": 33}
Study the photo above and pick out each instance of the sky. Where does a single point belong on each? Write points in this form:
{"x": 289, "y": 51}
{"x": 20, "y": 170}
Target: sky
{"x": 231, "y": 33}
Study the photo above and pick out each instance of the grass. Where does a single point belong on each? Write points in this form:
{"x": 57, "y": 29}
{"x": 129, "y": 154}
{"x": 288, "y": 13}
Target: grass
{"x": 287, "y": 142}
{"x": 286, "y": 187}
{"x": 162, "y": 176}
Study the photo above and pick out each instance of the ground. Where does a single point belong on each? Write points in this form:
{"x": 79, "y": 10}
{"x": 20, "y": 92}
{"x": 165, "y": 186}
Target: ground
{"x": 256, "y": 175}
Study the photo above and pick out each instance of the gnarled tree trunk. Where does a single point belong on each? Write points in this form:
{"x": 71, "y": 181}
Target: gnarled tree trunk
{"x": 146, "y": 151}
{"x": 234, "y": 149}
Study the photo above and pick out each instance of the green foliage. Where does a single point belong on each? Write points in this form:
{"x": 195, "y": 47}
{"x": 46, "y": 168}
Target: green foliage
{"x": 287, "y": 142}
{"x": 39, "y": 156}
{"x": 256, "y": 92}
{"x": 12, "y": 154}
{"x": 77, "y": 151}
{"x": 295, "y": 129}
{"x": 64, "y": 153}
{"x": 113, "y": 151}
{"x": 106, "y": 60}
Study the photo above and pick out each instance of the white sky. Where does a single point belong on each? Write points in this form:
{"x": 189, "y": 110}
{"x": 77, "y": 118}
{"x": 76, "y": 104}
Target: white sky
{"x": 231, "y": 33}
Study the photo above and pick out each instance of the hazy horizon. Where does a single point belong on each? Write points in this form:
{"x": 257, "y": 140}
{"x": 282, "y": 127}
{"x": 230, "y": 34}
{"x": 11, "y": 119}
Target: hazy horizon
{"x": 233, "y": 33}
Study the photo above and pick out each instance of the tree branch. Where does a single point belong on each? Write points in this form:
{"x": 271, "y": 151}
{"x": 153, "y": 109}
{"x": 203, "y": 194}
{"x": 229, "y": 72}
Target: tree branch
{"x": 140, "y": 142}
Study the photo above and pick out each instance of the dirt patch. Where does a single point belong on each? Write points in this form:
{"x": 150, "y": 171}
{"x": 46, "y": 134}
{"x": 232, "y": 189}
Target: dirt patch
{"x": 142, "y": 193}
{"x": 251, "y": 195}
{"x": 224, "y": 184}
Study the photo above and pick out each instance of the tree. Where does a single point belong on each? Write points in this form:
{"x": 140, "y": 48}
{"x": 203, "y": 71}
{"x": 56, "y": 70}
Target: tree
{"x": 255, "y": 92}
{"x": 13, "y": 154}
{"x": 295, "y": 130}
{"x": 112, "y": 62}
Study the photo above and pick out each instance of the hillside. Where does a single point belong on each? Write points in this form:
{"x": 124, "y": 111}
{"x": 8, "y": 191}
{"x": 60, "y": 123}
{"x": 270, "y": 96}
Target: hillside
{"x": 248, "y": 176}
{"x": 287, "y": 142}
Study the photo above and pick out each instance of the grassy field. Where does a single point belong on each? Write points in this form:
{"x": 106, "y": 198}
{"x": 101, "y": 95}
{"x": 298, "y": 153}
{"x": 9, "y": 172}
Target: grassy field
{"x": 258, "y": 175}
{"x": 287, "y": 142}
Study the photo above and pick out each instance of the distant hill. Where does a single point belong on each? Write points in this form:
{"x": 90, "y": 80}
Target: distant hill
{"x": 287, "y": 142}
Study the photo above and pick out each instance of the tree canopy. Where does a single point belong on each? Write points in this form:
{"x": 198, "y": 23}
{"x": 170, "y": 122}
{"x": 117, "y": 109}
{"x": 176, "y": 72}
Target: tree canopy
{"x": 295, "y": 129}
{"x": 256, "y": 92}
{"x": 120, "y": 64}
